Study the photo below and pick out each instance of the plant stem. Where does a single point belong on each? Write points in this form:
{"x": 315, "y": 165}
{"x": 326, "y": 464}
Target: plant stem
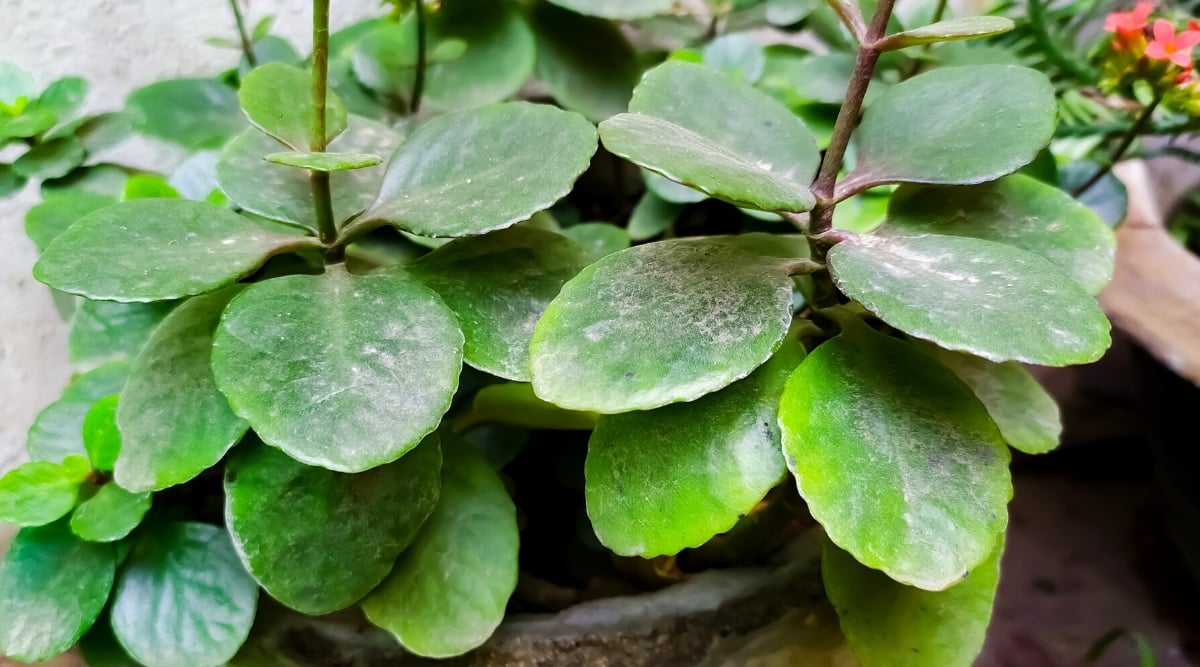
{"x": 1131, "y": 134}
{"x": 419, "y": 80}
{"x": 319, "y": 180}
{"x": 247, "y": 45}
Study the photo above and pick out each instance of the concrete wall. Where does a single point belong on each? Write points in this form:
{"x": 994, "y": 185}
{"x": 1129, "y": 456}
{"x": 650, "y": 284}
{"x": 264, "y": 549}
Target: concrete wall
{"x": 118, "y": 45}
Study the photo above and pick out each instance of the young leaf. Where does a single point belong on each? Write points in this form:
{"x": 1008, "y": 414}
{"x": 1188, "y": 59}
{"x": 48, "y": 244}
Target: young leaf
{"x": 109, "y": 515}
{"x": 193, "y": 113}
{"x": 318, "y": 540}
{"x": 52, "y": 587}
{"x": 64, "y": 96}
{"x": 327, "y": 162}
{"x": 888, "y": 624}
{"x": 37, "y": 493}
{"x": 58, "y": 429}
{"x": 658, "y": 324}
{"x": 148, "y": 186}
{"x": 652, "y": 216}
{"x": 476, "y": 171}
{"x": 965, "y": 27}
{"x": 53, "y": 159}
{"x": 277, "y": 98}
{"x": 106, "y": 330}
{"x": 618, "y": 9}
{"x": 1017, "y": 210}
{"x": 342, "y": 371}
{"x": 174, "y": 424}
{"x": 514, "y": 403}
{"x": 101, "y": 438}
{"x": 985, "y": 298}
{"x": 499, "y": 285}
{"x": 598, "y": 238}
{"x": 448, "y": 591}
{"x": 47, "y": 220}
{"x": 158, "y": 249}
{"x": 896, "y": 458}
{"x": 15, "y": 83}
{"x": 953, "y": 126}
{"x": 704, "y": 142}
{"x": 669, "y": 479}
{"x": 183, "y": 599}
{"x": 10, "y": 181}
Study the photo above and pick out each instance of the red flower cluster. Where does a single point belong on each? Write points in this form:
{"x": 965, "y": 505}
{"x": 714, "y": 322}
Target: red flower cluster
{"x": 1129, "y": 29}
{"x": 1145, "y": 50}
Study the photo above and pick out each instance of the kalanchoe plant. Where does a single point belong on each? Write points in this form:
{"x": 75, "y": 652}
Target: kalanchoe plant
{"x": 292, "y": 358}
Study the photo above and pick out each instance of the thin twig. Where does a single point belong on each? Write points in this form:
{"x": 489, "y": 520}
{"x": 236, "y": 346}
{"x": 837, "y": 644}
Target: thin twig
{"x": 247, "y": 45}
{"x": 419, "y": 80}
{"x": 1134, "y": 131}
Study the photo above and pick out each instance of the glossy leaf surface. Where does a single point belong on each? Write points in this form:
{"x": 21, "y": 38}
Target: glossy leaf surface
{"x": 38, "y": 492}
{"x": 106, "y": 330}
{"x": 109, "y": 515}
{"x": 277, "y": 98}
{"x": 58, "y": 429}
{"x": 962, "y": 27}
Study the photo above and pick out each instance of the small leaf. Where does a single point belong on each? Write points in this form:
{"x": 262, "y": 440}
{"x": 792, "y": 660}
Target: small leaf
{"x": 148, "y": 186}
{"x": 449, "y": 590}
{"x": 15, "y": 83}
{"x": 499, "y": 285}
{"x": 670, "y": 191}
{"x": 896, "y": 458}
{"x": 953, "y": 126}
{"x": 47, "y": 220}
{"x": 193, "y": 113}
{"x": 784, "y": 13}
{"x": 109, "y": 515}
{"x": 10, "y": 181}
{"x": 52, "y": 587}
{"x": 158, "y": 249}
{"x": 64, "y": 96}
{"x": 702, "y": 142}
{"x": 318, "y": 540}
{"x": 652, "y": 216}
{"x": 658, "y": 324}
{"x": 107, "y": 330}
{"x": 514, "y": 403}
{"x": 892, "y": 625}
{"x": 101, "y": 438}
{"x": 53, "y": 159}
{"x": 669, "y": 479}
{"x": 262, "y": 28}
{"x": 183, "y": 599}
{"x": 796, "y": 77}
{"x": 58, "y": 430}
{"x": 327, "y": 162}
{"x": 618, "y": 9}
{"x": 104, "y": 131}
{"x": 498, "y": 164}
{"x": 37, "y": 493}
{"x": 174, "y": 424}
{"x": 965, "y": 27}
{"x": 277, "y": 98}
{"x": 985, "y": 298}
{"x": 359, "y": 400}
{"x": 598, "y": 238}
{"x": 737, "y": 56}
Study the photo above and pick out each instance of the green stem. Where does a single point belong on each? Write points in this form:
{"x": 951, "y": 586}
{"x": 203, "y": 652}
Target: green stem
{"x": 247, "y": 45}
{"x": 319, "y": 180}
{"x": 1134, "y": 131}
{"x": 419, "y": 80}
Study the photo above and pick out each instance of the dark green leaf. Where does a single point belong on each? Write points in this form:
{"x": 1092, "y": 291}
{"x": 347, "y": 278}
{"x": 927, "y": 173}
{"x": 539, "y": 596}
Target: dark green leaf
{"x": 896, "y": 458}
{"x": 193, "y": 113}
{"x": 109, "y": 515}
{"x": 174, "y": 423}
{"x": 277, "y": 98}
{"x": 981, "y": 297}
{"x": 658, "y": 324}
{"x": 326, "y": 162}
{"x": 342, "y": 371}
{"x": 101, "y": 438}
{"x": 499, "y": 285}
{"x": 476, "y": 171}
{"x": 38, "y": 492}
{"x": 598, "y": 238}
{"x": 47, "y": 220}
{"x": 385, "y": 57}
{"x": 318, "y": 540}
{"x": 959, "y": 28}
{"x": 52, "y": 587}
{"x": 58, "y": 430}
{"x": 10, "y": 180}
{"x": 652, "y": 216}
{"x": 148, "y": 186}
{"x": 158, "y": 249}
{"x": 52, "y": 159}
{"x": 183, "y": 599}
{"x": 449, "y": 590}
{"x": 499, "y": 56}
{"x": 99, "y": 648}
{"x": 515, "y": 403}
{"x": 105, "y": 330}
{"x": 618, "y": 9}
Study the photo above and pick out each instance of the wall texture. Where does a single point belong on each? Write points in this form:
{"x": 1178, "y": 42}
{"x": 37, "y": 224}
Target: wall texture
{"x": 118, "y": 45}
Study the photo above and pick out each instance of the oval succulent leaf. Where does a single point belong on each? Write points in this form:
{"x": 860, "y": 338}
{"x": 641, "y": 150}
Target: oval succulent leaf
{"x": 598, "y": 238}
{"x": 47, "y": 220}
{"x": 158, "y": 249}
{"x": 706, "y": 144}
{"x": 618, "y": 9}
{"x": 277, "y": 98}
{"x": 319, "y": 540}
{"x": 497, "y": 165}
{"x": 52, "y": 159}
{"x": 959, "y": 28}
{"x": 193, "y": 113}
{"x": 984, "y": 298}
{"x": 499, "y": 56}
{"x": 499, "y": 285}
{"x": 109, "y": 515}
{"x": 101, "y": 438}
{"x": 660, "y": 323}
{"x": 37, "y": 493}
{"x": 327, "y": 162}
{"x": 58, "y": 430}
{"x": 107, "y": 330}
{"x": 349, "y": 402}
{"x": 896, "y": 458}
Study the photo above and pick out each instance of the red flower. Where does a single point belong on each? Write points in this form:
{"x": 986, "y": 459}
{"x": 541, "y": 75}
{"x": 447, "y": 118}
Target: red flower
{"x": 1166, "y": 45}
{"x": 1128, "y": 24}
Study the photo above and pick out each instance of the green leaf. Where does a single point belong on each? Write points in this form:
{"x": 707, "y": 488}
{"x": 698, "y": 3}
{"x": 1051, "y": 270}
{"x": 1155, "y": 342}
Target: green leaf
{"x": 784, "y": 13}
{"x": 499, "y": 285}
{"x": 262, "y": 28}
{"x": 106, "y": 330}
{"x": 104, "y": 131}
{"x": 102, "y": 179}
{"x": 31, "y": 123}
{"x": 1017, "y": 210}
{"x": 193, "y": 113}
{"x": 277, "y": 98}
{"x": 183, "y": 599}
{"x": 965, "y": 27}
{"x": 384, "y": 57}
{"x": 196, "y": 177}
{"x": 476, "y": 171}
{"x": 158, "y": 249}
{"x": 896, "y": 458}
{"x": 64, "y": 96}
{"x": 148, "y": 186}
{"x": 618, "y": 9}
{"x": 99, "y": 648}
{"x": 342, "y": 371}
{"x": 46, "y": 221}
{"x": 670, "y": 191}
{"x": 58, "y": 429}
{"x": 449, "y": 590}
{"x": 52, "y": 159}
{"x": 318, "y": 540}
{"x": 284, "y": 193}
{"x": 515, "y": 403}
{"x": 985, "y": 298}
{"x": 738, "y": 56}
{"x": 670, "y": 479}
{"x": 1108, "y": 198}
{"x": 10, "y": 181}
{"x": 499, "y": 56}
{"x": 15, "y": 83}
{"x": 586, "y": 63}
{"x": 598, "y": 238}
{"x": 892, "y": 625}
{"x": 704, "y": 142}
{"x": 52, "y": 587}
{"x": 658, "y": 324}
{"x": 652, "y": 216}
{"x": 101, "y": 438}
{"x": 174, "y": 423}
{"x": 37, "y": 493}
{"x": 109, "y": 515}
{"x": 953, "y": 126}
{"x": 327, "y": 162}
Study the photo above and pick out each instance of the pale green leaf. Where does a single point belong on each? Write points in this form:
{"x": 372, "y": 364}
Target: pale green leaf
{"x": 37, "y": 493}
{"x": 52, "y": 159}
{"x": 959, "y": 28}
{"x": 107, "y": 330}
{"x": 109, "y": 515}
{"x": 618, "y": 9}
{"x": 327, "y": 162}
{"x": 193, "y": 113}
{"x": 652, "y": 216}
{"x": 277, "y": 98}
{"x": 598, "y": 238}
{"x": 58, "y": 429}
